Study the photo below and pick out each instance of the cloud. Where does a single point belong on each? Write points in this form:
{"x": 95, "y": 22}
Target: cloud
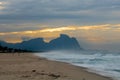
{"x": 24, "y": 19}
{"x": 66, "y": 28}
{"x": 89, "y": 36}
{"x": 82, "y": 10}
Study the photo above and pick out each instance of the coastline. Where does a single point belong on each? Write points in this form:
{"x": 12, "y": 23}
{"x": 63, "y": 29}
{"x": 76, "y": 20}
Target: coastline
{"x": 27, "y": 66}
{"x": 88, "y": 70}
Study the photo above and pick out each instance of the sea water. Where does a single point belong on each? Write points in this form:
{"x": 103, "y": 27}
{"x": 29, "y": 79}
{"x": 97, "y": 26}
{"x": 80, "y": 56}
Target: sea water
{"x": 101, "y": 62}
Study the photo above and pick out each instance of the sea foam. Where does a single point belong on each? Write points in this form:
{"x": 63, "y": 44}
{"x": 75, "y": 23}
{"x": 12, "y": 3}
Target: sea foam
{"x": 101, "y": 62}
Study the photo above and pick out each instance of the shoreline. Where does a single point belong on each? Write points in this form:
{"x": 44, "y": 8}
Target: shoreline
{"x": 88, "y": 70}
{"x": 93, "y": 71}
{"x": 28, "y": 66}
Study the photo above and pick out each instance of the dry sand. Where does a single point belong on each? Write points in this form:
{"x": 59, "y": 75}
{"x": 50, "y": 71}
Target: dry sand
{"x": 26, "y": 66}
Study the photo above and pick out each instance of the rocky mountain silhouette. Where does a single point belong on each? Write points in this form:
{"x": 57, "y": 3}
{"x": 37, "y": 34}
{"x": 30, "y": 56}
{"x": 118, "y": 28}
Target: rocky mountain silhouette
{"x": 63, "y": 42}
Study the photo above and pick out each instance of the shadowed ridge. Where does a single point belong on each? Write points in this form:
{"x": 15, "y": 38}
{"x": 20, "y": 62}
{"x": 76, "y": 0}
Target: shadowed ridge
{"x": 63, "y": 42}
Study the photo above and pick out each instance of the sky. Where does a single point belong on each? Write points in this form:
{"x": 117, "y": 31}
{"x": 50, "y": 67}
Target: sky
{"x": 95, "y": 23}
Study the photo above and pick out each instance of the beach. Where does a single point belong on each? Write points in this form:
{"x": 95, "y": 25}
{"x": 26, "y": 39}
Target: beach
{"x": 27, "y": 66}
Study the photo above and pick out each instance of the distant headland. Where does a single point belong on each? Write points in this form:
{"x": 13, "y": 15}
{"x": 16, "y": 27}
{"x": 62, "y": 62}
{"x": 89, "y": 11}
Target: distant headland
{"x": 63, "y": 42}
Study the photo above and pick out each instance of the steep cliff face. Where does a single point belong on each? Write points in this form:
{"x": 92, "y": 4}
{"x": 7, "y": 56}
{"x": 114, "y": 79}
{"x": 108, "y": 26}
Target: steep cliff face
{"x": 64, "y": 42}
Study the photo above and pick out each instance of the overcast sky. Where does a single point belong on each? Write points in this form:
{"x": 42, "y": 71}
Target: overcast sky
{"x": 32, "y": 15}
{"x": 58, "y": 12}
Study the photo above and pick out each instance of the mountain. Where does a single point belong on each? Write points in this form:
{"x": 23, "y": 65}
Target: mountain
{"x": 36, "y": 44}
{"x": 64, "y": 42}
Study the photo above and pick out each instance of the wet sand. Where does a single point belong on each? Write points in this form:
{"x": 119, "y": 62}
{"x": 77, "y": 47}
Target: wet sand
{"x": 26, "y": 66}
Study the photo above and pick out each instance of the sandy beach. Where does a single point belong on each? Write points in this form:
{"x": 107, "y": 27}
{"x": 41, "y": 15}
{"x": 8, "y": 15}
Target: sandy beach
{"x": 27, "y": 66}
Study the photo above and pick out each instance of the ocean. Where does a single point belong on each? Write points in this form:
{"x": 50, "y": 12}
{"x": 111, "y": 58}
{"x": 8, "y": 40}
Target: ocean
{"x": 101, "y": 62}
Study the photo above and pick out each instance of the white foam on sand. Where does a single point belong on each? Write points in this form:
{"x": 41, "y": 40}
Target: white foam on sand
{"x": 101, "y": 62}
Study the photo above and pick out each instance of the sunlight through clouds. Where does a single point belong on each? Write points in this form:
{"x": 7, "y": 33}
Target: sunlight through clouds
{"x": 58, "y": 29}
{"x": 68, "y": 28}
{"x": 90, "y": 21}
{"x": 1, "y": 5}
{"x": 45, "y": 32}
